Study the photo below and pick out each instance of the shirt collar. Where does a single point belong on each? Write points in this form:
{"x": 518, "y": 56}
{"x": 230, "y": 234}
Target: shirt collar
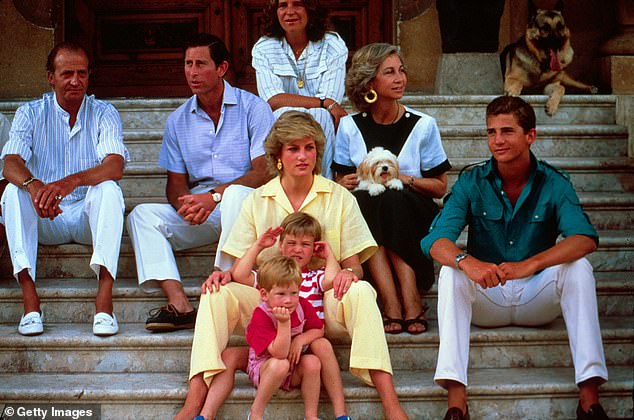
{"x": 61, "y": 110}
{"x": 228, "y": 98}
{"x": 273, "y": 189}
{"x": 489, "y": 169}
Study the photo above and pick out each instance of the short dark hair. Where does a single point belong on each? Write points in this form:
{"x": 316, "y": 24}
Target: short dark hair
{"x": 67, "y": 46}
{"x": 315, "y": 29}
{"x": 522, "y": 110}
{"x": 217, "y": 49}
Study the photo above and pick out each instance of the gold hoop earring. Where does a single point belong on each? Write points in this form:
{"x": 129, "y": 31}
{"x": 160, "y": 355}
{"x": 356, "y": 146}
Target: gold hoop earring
{"x": 279, "y": 165}
{"x": 371, "y": 96}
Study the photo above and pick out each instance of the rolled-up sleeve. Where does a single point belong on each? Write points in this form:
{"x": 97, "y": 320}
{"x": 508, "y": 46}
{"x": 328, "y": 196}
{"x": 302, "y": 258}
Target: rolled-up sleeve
{"x": 572, "y": 220}
{"x": 111, "y": 135}
{"x": 21, "y": 135}
{"x": 333, "y": 81}
{"x": 451, "y": 220}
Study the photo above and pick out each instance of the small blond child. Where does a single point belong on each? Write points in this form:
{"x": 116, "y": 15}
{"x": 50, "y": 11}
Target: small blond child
{"x": 300, "y": 238}
{"x": 280, "y": 331}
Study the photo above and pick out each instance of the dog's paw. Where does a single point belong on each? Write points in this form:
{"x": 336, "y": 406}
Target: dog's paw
{"x": 376, "y": 189}
{"x": 551, "y": 106}
{"x": 395, "y": 184}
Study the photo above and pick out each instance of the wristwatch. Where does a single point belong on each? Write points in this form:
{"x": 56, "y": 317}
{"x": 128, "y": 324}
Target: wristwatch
{"x": 459, "y": 258}
{"x": 215, "y": 195}
{"x": 322, "y": 99}
{"x": 26, "y": 183}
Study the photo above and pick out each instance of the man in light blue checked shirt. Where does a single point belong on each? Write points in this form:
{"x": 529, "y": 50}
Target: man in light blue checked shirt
{"x": 64, "y": 156}
{"x": 215, "y": 139}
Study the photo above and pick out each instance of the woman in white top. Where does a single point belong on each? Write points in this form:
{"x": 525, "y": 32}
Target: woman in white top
{"x": 298, "y": 65}
{"x": 397, "y": 219}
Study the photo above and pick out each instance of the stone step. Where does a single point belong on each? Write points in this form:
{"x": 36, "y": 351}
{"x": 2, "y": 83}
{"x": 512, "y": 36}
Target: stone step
{"x": 532, "y": 393}
{"x": 459, "y": 141}
{"x": 72, "y": 348}
{"x": 615, "y": 253}
{"x": 447, "y": 109}
{"x": 596, "y": 174}
{"x": 71, "y": 300}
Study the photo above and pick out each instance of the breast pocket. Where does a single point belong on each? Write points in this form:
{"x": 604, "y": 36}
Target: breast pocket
{"x": 541, "y": 214}
{"x": 284, "y": 70}
{"x": 491, "y": 212}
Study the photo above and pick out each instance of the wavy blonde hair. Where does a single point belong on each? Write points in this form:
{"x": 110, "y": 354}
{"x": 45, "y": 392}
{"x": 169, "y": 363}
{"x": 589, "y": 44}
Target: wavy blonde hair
{"x": 365, "y": 63}
{"x": 290, "y": 126}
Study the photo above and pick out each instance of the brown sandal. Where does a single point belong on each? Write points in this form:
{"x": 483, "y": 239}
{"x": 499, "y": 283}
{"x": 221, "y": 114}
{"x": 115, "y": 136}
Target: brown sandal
{"x": 419, "y": 320}
{"x": 388, "y": 321}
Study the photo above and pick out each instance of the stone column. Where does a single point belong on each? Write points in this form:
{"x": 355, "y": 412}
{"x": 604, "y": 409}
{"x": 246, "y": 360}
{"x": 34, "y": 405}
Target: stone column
{"x": 617, "y": 67}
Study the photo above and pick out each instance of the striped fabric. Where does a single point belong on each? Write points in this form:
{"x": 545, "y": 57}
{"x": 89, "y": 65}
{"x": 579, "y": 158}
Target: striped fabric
{"x": 5, "y": 126}
{"x": 311, "y": 289}
{"x": 41, "y": 135}
{"x": 216, "y": 155}
{"x": 322, "y": 66}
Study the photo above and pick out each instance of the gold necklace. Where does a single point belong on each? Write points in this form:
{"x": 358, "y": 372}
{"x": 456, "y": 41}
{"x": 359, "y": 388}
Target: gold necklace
{"x": 301, "y": 77}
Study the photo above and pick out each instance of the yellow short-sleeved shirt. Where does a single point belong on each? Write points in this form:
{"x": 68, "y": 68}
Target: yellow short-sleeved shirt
{"x": 336, "y": 209}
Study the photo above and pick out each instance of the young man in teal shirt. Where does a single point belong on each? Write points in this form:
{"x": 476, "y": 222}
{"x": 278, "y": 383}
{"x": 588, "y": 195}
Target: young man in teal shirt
{"x": 516, "y": 207}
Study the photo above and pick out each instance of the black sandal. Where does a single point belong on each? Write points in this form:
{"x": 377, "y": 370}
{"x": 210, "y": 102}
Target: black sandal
{"x": 419, "y": 320}
{"x": 388, "y": 321}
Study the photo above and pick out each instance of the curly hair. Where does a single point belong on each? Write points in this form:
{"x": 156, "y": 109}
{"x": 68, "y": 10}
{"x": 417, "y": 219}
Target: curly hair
{"x": 315, "y": 29}
{"x": 365, "y": 63}
{"x": 290, "y": 126}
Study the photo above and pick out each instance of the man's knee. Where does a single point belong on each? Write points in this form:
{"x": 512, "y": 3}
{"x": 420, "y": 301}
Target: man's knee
{"x": 579, "y": 272}
{"x": 236, "y": 192}
{"x": 451, "y": 280}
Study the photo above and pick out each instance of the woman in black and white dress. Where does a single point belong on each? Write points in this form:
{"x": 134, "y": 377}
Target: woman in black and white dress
{"x": 398, "y": 220}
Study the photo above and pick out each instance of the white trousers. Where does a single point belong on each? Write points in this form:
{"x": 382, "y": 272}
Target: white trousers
{"x": 532, "y": 301}
{"x": 96, "y": 220}
{"x": 323, "y": 117}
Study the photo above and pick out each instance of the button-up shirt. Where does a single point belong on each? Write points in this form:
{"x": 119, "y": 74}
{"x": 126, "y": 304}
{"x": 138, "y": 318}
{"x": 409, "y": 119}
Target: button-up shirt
{"x": 322, "y": 67}
{"x": 212, "y": 155}
{"x": 342, "y": 223}
{"x": 41, "y": 135}
{"x": 498, "y": 231}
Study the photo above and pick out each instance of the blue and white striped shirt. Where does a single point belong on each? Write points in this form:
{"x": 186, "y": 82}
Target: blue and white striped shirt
{"x": 322, "y": 66}
{"x": 42, "y": 136}
{"x": 212, "y": 156}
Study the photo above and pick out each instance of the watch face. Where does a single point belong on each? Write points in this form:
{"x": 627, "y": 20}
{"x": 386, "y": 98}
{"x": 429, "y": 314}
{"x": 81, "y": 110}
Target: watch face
{"x": 216, "y": 197}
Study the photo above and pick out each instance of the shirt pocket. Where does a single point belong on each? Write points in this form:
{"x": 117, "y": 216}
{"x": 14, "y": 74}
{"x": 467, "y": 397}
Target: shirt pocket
{"x": 540, "y": 214}
{"x": 317, "y": 72}
{"x": 486, "y": 212}
{"x": 284, "y": 70}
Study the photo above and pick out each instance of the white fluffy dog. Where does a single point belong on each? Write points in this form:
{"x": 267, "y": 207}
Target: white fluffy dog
{"x": 379, "y": 170}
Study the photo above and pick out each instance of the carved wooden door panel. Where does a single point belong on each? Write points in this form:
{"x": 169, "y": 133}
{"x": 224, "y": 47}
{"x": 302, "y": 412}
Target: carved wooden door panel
{"x": 136, "y": 46}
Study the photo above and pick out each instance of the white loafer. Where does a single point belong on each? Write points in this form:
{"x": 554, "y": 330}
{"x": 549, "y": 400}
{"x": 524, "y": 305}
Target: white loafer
{"x": 105, "y": 325}
{"x": 32, "y": 323}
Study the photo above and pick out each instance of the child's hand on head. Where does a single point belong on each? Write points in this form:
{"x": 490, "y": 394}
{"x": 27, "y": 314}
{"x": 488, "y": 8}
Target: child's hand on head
{"x": 281, "y": 313}
{"x": 322, "y": 250}
{"x": 269, "y": 237}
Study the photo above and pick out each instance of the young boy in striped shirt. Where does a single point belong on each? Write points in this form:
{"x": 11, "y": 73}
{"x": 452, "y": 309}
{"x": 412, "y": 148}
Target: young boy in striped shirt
{"x": 300, "y": 238}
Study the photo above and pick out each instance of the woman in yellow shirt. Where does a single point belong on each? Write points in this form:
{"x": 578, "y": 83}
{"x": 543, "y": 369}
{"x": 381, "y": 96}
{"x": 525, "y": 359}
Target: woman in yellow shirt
{"x": 294, "y": 149}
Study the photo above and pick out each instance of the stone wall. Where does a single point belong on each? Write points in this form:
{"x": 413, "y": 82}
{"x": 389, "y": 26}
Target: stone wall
{"x": 23, "y": 51}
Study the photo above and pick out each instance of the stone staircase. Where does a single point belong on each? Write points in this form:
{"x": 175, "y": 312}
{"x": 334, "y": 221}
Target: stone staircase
{"x": 515, "y": 372}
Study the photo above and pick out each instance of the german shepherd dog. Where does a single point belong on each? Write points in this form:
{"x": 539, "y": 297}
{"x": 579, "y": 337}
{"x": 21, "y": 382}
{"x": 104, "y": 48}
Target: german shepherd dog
{"x": 539, "y": 57}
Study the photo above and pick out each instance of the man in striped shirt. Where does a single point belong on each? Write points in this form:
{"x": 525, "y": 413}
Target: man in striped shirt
{"x": 212, "y": 141}
{"x": 64, "y": 154}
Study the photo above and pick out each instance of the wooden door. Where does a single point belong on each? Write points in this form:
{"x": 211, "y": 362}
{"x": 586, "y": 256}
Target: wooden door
{"x": 136, "y": 46}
